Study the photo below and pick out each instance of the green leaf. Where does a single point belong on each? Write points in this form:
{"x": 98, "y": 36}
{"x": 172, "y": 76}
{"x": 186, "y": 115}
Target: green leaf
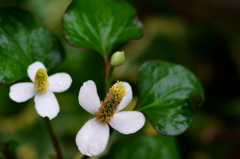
{"x": 23, "y": 41}
{"x": 100, "y": 25}
{"x": 144, "y": 147}
{"x": 169, "y": 94}
{"x": 8, "y": 150}
{"x": 11, "y": 149}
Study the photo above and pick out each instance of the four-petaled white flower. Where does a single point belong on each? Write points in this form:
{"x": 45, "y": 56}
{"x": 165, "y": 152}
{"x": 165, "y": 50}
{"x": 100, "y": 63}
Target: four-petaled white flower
{"x": 42, "y": 87}
{"x": 92, "y": 138}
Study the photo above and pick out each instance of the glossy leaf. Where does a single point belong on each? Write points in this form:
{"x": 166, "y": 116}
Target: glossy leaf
{"x": 23, "y": 41}
{"x": 169, "y": 94}
{"x": 100, "y": 25}
{"x": 144, "y": 147}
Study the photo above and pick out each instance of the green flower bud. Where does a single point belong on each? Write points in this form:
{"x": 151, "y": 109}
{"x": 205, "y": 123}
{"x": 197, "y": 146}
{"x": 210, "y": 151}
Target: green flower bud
{"x": 117, "y": 58}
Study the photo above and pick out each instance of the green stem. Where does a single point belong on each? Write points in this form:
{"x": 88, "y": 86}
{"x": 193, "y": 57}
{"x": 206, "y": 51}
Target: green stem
{"x": 85, "y": 157}
{"x": 53, "y": 138}
{"x": 108, "y": 75}
{"x": 109, "y": 78}
{"x": 107, "y": 70}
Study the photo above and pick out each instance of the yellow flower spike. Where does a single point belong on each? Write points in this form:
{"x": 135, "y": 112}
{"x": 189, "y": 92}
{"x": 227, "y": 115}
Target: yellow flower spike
{"x": 110, "y": 104}
{"x": 41, "y": 81}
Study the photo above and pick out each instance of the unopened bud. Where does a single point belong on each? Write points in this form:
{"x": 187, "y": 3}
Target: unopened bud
{"x": 117, "y": 58}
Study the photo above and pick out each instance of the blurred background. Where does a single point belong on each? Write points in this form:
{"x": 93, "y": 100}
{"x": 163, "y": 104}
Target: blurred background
{"x": 202, "y": 35}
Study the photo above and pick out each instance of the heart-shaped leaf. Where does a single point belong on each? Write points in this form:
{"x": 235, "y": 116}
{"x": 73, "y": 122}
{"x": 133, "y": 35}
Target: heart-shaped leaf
{"x": 23, "y": 41}
{"x": 169, "y": 94}
{"x": 144, "y": 147}
{"x": 100, "y": 25}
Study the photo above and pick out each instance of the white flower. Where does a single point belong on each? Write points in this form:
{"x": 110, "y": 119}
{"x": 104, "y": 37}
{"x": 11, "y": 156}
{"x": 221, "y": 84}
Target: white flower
{"x": 92, "y": 138}
{"x": 42, "y": 87}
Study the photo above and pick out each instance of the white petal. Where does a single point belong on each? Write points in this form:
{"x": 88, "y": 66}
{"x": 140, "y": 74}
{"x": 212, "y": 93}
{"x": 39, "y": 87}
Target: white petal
{"x": 59, "y": 82}
{"x": 92, "y": 138}
{"x": 127, "y": 122}
{"x": 46, "y": 105}
{"x": 21, "y": 92}
{"x": 126, "y": 99}
{"x": 32, "y": 69}
{"x": 88, "y": 97}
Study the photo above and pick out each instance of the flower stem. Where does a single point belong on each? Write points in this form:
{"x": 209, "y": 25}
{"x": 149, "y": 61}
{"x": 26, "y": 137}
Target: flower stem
{"x": 107, "y": 70}
{"x": 109, "y": 77}
{"x": 53, "y": 138}
{"x": 85, "y": 157}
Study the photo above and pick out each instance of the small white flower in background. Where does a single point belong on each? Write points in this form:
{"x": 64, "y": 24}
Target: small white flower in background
{"x": 92, "y": 138}
{"x": 42, "y": 87}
